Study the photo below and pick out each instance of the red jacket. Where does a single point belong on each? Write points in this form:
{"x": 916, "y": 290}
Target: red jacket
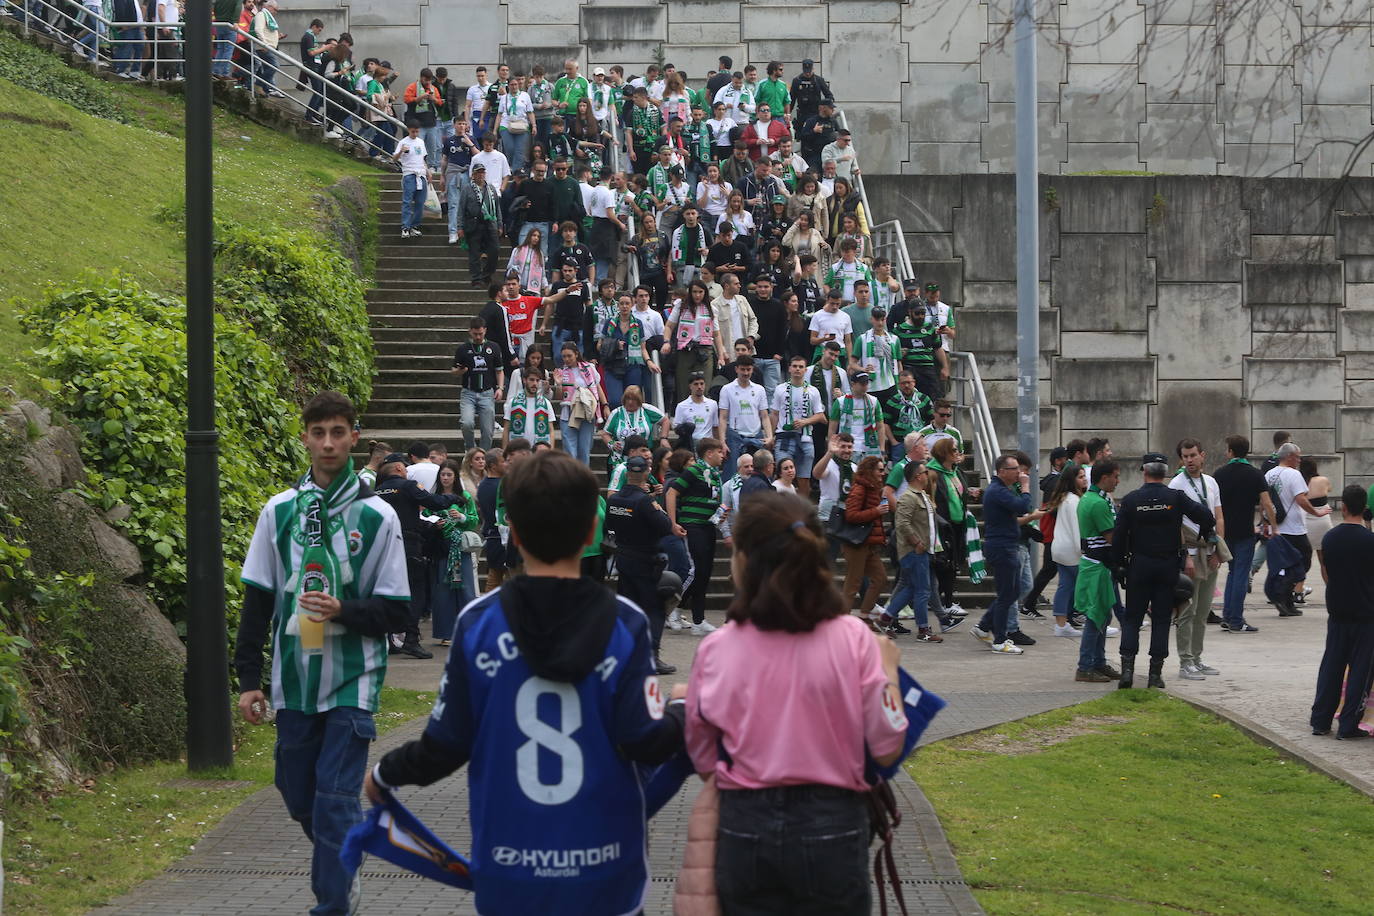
{"x": 862, "y": 506}
{"x": 775, "y": 130}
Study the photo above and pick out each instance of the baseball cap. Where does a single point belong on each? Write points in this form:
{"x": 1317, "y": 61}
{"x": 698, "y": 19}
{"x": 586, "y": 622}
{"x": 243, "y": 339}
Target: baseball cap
{"x": 808, "y": 64}
{"x": 1058, "y": 452}
{"x": 779, "y": 199}
{"x": 393, "y": 458}
{"x": 1154, "y": 458}
{"x": 599, "y": 71}
{"x": 932, "y": 287}
{"x": 478, "y": 167}
{"x": 911, "y": 284}
{"x": 860, "y": 376}
{"x": 636, "y": 464}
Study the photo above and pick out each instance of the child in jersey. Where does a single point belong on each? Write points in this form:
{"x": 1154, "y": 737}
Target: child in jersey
{"x": 550, "y": 697}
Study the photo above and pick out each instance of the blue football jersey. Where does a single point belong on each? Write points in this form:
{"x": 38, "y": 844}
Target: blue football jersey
{"x": 557, "y": 811}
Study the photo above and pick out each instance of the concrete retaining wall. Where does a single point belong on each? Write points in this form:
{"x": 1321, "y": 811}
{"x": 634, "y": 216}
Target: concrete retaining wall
{"x": 1170, "y": 306}
{"x": 1257, "y": 88}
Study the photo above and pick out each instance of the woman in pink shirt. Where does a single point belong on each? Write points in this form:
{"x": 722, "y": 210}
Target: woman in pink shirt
{"x": 782, "y": 703}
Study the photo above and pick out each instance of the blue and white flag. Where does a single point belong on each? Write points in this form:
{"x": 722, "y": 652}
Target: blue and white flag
{"x": 389, "y": 831}
{"x": 920, "y": 706}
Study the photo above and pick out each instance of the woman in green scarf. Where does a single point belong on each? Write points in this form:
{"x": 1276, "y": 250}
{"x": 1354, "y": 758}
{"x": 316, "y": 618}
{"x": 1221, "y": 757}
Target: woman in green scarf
{"x": 454, "y": 575}
{"x": 950, "y": 494}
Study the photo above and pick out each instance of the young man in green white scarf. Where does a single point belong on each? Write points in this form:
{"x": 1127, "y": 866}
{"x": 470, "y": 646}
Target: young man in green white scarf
{"x": 326, "y": 570}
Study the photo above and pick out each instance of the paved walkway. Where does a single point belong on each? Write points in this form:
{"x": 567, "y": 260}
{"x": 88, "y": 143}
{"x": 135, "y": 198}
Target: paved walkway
{"x": 257, "y": 862}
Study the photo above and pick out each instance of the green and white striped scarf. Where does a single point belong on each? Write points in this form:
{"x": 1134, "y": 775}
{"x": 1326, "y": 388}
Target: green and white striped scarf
{"x": 977, "y": 569}
{"x": 319, "y": 552}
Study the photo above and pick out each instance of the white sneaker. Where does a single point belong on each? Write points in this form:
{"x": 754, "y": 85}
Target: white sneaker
{"x": 1190, "y": 673}
{"x": 675, "y": 621}
{"x": 415, "y": 230}
{"x": 1113, "y": 631}
{"x": 453, "y": 238}
{"x": 1008, "y": 648}
{"x": 333, "y": 135}
{"x": 1066, "y": 631}
{"x": 954, "y": 610}
{"x": 701, "y": 629}
{"x": 405, "y": 233}
{"x": 878, "y": 611}
{"x": 981, "y": 635}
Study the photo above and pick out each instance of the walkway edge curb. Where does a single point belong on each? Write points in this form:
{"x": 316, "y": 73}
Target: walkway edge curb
{"x": 1282, "y": 745}
{"x": 932, "y": 834}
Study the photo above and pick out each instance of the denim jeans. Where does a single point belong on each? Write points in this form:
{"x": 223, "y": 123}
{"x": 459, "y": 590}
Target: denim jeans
{"x": 1063, "y": 592}
{"x": 615, "y": 385}
{"x": 445, "y": 601}
{"x": 477, "y": 409}
{"x": 914, "y": 588}
{"x": 265, "y": 59}
{"x": 1237, "y": 579}
{"x": 799, "y": 850}
{"x": 1004, "y": 562}
{"x": 445, "y": 131}
{"x": 1092, "y": 648}
{"x": 801, "y": 448}
{"x": 127, "y": 50}
{"x": 737, "y": 445}
{"x": 413, "y": 189}
{"x": 433, "y": 138}
{"x": 515, "y": 147}
{"x": 224, "y": 50}
{"x": 321, "y": 759}
{"x": 770, "y": 374}
{"x": 578, "y": 442}
{"x": 455, "y": 183}
{"x": 95, "y": 30}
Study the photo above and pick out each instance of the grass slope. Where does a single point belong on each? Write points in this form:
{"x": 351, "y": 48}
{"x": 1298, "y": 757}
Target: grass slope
{"x": 58, "y": 851}
{"x": 1139, "y": 803}
{"x": 83, "y": 193}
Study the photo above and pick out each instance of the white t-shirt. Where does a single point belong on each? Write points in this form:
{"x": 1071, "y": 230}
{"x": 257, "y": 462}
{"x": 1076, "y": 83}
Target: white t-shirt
{"x": 784, "y": 487}
{"x": 720, "y": 131}
{"x": 168, "y": 12}
{"x": 704, "y": 417}
{"x": 477, "y": 95}
{"x": 412, "y": 153}
{"x": 1289, "y": 485}
{"x": 735, "y": 314}
{"x": 1203, "y": 491}
{"x": 830, "y": 486}
{"x": 599, "y": 201}
{"x": 836, "y": 324}
{"x": 805, "y": 401}
{"x": 743, "y": 222}
{"x": 498, "y": 166}
{"x": 424, "y": 473}
{"x": 515, "y": 108}
{"x": 742, "y": 406}
{"x": 717, "y": 197}
{"x": 650, "y": 320}
{"x": 587, "y": 193}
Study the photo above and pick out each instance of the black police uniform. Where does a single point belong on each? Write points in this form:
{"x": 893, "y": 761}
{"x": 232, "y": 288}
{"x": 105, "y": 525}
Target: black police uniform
{"x": 407, "y": 497}
{"x": 1146, "y": 541}
{"x": 639, "y": 523}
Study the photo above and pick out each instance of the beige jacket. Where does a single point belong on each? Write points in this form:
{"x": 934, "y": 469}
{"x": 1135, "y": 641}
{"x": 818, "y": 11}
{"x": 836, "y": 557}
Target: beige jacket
{"x": 912, "y": 521}
{"x": 749, "y": 322}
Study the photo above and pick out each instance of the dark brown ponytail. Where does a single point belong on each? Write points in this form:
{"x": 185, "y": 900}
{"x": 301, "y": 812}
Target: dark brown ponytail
{"x": 788, "y": 583}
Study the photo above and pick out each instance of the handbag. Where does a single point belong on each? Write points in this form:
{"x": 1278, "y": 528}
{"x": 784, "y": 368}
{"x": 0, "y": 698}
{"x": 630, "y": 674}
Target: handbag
{"x": 471, "y": 541}
{"x": 855, "y": 533}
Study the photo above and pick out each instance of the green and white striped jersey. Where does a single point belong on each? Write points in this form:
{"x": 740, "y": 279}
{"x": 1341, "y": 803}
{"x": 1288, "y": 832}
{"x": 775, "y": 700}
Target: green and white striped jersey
{"x": 350, "y": 668}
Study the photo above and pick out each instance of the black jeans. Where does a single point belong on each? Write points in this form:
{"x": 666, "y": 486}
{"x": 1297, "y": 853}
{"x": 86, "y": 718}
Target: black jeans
{"x": 794, "y": 850}
{"x": 639, "y": 575}
{"x": 1347, "y": 644}
{"x": 701, "y": 544}
{"x": 482, "y": 250}
{"x": 1150, "y": 584}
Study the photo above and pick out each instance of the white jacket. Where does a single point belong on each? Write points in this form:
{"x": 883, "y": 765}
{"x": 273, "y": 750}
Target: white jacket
{"x": 1066, "y": 548}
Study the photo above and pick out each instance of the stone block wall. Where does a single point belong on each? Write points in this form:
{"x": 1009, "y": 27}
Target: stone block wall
{"x": 1170, "y": 306}
{"x": 1259, "y": 88}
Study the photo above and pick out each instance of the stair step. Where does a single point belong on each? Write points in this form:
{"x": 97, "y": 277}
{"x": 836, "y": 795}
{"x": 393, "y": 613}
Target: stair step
{"x": 450, "y": 325}
{"x": 449, "y": 391}
{"x": 448, "y": 336}
{"x": 412, "y": 295}
{"x": 415, "y": 348}
{"x": 410, "y": 362}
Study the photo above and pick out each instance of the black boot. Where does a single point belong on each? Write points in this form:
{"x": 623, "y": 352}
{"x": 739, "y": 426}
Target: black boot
{"x": 662, "y": 667}
{"x": 1127, "y": 672}
{"x": 1156, "y": 676}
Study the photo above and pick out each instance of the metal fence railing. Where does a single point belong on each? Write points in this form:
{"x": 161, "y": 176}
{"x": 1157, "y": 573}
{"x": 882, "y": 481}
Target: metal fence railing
{"x": 133, "y": 46}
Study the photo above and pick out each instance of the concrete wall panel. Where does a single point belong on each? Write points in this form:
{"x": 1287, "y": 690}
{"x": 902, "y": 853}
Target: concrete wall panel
{"x": 1103, "y": 282}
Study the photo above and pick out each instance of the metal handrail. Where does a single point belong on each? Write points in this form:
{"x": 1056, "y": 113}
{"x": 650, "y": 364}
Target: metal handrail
{"x": 316, "y": 82}
{"x": 889, "y": 241}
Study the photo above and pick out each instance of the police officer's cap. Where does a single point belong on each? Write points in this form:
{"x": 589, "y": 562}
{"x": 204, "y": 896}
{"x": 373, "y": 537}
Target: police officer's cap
{"x": 1154, "y": 458}
{"x": 393, "y": 458}
{"x": 636, "y": 464}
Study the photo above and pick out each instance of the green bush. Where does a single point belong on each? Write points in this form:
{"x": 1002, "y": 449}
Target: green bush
{"x": 304, "y": 300}
{"x": 37, "y": 70}
{"x": 114, "y": 357}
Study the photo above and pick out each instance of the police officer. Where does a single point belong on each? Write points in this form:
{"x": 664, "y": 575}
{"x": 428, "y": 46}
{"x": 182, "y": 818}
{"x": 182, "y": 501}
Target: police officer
{"x": 407, "y": 497}
{"x": 1148, "y": 544}
{"x": 639, "y": 523}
